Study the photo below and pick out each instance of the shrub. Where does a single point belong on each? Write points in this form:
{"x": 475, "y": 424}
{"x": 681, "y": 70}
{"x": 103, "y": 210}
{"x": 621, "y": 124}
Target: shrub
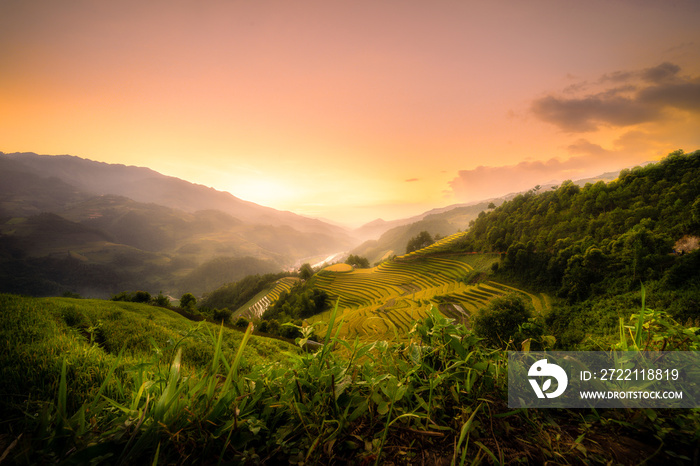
{"x": 123, "y": 296}
{"x": 241, "y": 322}
{"x": 291, "y": 330}
{"x": 273, "y": 327}
{"x": 161, "y": 300}
{"x": 141, "y": 297}
{"x": 188, "y": 301}
{"x": 224, "y": 315}
{"x": 499, "y": 322}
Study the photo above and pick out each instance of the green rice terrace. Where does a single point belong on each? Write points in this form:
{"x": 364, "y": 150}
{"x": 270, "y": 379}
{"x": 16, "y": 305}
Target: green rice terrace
{"x": 382, "y": 302}
{"x": 255, "y": 308}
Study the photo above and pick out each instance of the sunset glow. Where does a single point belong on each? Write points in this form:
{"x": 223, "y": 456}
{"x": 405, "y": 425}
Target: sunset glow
{"x": 353, "y": 110}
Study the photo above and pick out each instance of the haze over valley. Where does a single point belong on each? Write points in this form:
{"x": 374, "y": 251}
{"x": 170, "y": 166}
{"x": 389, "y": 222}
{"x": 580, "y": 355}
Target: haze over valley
{"x": 75, "y": 225}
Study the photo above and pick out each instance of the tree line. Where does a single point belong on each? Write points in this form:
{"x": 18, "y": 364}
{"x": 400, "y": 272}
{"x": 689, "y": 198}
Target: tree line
{"x": 600, "y": 238}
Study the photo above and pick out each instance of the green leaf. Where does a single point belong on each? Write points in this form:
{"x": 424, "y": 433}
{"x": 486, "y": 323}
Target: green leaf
{"x": 342, "y": 385}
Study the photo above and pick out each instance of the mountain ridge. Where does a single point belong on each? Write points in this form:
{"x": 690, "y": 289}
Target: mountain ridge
{"x": 63, "y": 213}
{"x": 144, "y": 184}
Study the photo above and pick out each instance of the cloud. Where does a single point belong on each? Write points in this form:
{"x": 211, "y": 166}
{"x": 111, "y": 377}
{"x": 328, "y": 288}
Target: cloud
{"x": 586, "y": 159}
{"x": 486, "y": 182}
{"x": 661, "y": 73}
{"x": 635, "y": 97}
{"x": 586, "y": 114}
{"x": 684, "y": 96}
{"x": 656, "y": 74}
{"x": 583, "y": 146}
{"x": 650, "y": 111}
{"x": 411, "y": 180}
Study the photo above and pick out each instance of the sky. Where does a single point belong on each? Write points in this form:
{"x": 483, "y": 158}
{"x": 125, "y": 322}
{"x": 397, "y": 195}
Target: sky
{"x": 353, "y": 110}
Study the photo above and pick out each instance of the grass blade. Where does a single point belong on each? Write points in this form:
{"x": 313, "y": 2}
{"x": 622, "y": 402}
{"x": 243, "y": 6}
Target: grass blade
{"x": 62, "y": 397}
{"x": 327, "y": 339}
{"x": 466, "y": 429}
{"x": 155, "y": 458}
{"x": 104, "y": 382}
{"x": 215, "y": 364}
{"x": 170, "y": 390}
{"x": 640, "y": 321}
{"x": 237, "y": 360}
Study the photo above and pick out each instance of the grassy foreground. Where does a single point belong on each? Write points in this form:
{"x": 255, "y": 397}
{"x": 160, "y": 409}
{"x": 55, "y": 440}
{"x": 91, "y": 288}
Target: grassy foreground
{"x": 120, "y": 383}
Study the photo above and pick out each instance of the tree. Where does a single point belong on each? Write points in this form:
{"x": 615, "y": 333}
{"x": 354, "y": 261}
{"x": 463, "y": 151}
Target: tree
{"x": 491, "y": 205}
{"x": 223, "y": 315}
{"x": 123, "y": 296}
{"x": 134, "y": 297}
{"x": 418, "y": 242}
{"x": 161, "y": 300}
{"x": 273, "y": 327}
{"x": 695, "y": 211}
{"x": 188, "y": 301}
{"x": 141, "y": 297}
{"x": 241, "y": 322}
{"x": 306, "y": 272}
{"x": 357, "y": 261}
{"x": 500, "y": 321}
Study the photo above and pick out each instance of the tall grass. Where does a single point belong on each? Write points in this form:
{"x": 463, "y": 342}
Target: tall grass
{"x": 437, "y": 397}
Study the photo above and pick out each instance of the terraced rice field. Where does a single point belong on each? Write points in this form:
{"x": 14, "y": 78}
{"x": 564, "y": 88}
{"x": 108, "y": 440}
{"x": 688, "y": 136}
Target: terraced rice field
{"x": 339, "y": 268}
{"x": 254, "y": 308}
{"x": 436, "y": 246}
{"x": 381, "y": 302}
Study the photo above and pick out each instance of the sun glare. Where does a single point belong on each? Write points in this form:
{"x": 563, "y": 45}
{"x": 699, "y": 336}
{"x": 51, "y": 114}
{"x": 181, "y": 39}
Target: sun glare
{"x": 265, "y": 191}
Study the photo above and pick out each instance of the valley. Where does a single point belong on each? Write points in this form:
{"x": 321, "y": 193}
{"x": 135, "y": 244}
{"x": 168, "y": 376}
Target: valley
{"x": 349, "y": 233}
{"x": 350, "y": 361}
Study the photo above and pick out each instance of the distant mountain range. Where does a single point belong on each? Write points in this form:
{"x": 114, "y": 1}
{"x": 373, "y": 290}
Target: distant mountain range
{"x": 64, "y": 215}
{"x": 393, "y": 236}
{"x": 145, "y": 185}
{"x": 72, "y": 224}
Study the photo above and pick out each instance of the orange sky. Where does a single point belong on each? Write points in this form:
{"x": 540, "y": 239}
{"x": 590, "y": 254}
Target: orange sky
{"x": 352, "y": 110}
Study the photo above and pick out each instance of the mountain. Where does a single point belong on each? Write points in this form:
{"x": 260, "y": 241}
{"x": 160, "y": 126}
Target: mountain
{"x": 392, "y": 236}
{"x": 145, "y": 185}
{"x": 443, "y": 222}
{"x": 139, "y": 227}
{"x": 378, "y": 227}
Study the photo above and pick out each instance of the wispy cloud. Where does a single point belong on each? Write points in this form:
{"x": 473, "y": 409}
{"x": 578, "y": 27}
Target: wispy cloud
{"x": 485, "y": 182}
{"x": 646, "y": 113}
{"x": 627, "y": 98}
{"x": 410, "y": 180}
{"x": 583, "y": 159}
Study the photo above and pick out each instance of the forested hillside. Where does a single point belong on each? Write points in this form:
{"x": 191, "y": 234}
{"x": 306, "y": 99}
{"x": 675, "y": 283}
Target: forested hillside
{"x": 594, "y": 244}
